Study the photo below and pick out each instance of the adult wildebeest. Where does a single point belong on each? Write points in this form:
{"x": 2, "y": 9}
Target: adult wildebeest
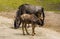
{"x": 29, "y": 18}
{"x": 29, "y": 9}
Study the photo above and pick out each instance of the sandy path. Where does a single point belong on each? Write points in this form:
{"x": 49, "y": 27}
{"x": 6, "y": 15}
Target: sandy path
{"x": 6, "y": 32}
{"x": 52, "y": 21}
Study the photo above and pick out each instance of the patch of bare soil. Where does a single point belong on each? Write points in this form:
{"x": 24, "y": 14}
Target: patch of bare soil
{"x": 52, "y": 21}
{"x": 8, "y": 14}
{"x": 51, "y": 29}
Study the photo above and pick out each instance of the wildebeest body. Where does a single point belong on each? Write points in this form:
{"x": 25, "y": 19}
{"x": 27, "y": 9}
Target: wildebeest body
{"x": 32, "y": 9}
{"x": 29, "y": 9}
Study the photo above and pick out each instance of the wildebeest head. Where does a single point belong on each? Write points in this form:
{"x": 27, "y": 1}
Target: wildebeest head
{"x": 17, "y": 23}
{"x": 40, "y": 22}
{"x": 41, "y": 16}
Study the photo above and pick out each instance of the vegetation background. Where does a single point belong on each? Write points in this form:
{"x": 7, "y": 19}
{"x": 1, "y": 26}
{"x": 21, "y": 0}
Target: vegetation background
{"x": 9, "y": 5}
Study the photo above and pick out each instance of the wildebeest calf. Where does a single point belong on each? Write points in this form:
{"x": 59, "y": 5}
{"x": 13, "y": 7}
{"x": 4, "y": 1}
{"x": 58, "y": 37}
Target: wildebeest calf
{"x": 29, "y": 19}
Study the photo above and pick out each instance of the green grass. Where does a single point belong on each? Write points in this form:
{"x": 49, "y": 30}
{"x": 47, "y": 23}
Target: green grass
{"x": 51, "y": 4}
{"x": 9, "y": 5}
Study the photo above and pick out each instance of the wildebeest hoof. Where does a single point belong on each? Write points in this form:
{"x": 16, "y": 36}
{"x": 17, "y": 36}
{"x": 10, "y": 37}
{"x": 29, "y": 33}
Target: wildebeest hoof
{"x": 34, "y": 33}
{"x": 23, "y": 34}
{"x": 28, "y": 34}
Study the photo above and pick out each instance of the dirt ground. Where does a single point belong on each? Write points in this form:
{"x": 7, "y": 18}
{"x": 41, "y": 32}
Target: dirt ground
{"x": 51, "y": 29}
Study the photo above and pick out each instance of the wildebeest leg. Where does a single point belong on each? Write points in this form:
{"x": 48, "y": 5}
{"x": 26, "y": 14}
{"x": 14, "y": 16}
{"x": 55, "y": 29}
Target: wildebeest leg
{"x": 33, "y": 29}
{"x": 26, "y": 28}
{"x": 23, "y": 28}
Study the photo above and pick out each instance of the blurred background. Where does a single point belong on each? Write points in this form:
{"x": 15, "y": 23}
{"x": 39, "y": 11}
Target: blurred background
{"x": 9, "y": 5}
